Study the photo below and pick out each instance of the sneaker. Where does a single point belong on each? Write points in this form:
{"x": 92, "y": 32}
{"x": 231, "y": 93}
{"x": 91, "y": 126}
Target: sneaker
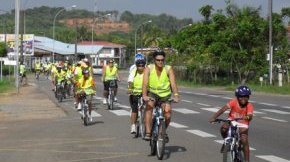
{"x": 105, "y": 101}
{"x": 133, "y": 129}
{"x": 79, "y": 107}
{"x": 115, "y": 99}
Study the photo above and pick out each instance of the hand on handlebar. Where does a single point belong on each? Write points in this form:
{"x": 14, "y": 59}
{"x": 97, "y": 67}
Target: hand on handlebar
{"x": 146, "y": 98}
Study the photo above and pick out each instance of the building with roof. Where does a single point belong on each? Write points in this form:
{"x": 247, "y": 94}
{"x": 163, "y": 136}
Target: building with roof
{"x": 45, "y": 49}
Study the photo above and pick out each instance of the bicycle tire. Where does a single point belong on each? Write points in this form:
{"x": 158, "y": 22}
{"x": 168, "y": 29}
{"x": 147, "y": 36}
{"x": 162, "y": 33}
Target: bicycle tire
{"x": 227, "y": 155}
{"x": 142, "y": 124}
{"x": 85, "y": 114}
{"x": 137, "y": 131}
{"x": 153, "y": 147}
{"x": 161, "y": 140}
{"x": 112, "y": 101}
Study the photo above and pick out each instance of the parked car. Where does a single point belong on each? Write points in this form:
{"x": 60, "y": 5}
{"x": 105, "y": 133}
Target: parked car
{"x": 97, "y": 70}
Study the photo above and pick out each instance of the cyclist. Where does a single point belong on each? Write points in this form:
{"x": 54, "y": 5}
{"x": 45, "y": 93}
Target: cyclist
{"x": 138, "y": 56}
{"x": 37, "y": 68}
{"x": 60, "y": 74}
{"x": 86, "y": 85}
{"x": 88, "y": 65}
{"x": 22, "y": 71}
{"x": 77, "y": 75}
{"x": 110, "y": 73}
{"x": 158, "y": 83}
{"x": 239, "y": 107}
{"x": 135, "y": 91}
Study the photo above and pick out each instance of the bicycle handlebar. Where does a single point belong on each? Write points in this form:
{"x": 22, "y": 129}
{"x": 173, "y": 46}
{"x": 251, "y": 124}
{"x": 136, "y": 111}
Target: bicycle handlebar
{"x": 227, "y": 120}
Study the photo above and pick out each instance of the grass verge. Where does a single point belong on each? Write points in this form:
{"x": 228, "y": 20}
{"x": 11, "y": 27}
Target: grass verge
{"x": 6, "y": 85}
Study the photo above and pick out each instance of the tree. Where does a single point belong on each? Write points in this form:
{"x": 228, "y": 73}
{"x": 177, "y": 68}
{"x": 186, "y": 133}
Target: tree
{"x": 205, "y": 11}
{"x": 3, "y": 49}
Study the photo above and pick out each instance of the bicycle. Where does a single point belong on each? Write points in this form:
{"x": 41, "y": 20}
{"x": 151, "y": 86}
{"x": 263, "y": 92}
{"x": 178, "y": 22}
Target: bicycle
{"x": 158, "y": 131}
{"x": 59, "y": 92}
{"x": 111, "y": 96}
{"x": 37, "y": 73}
{"x": 232, "y": 147}
{"x": 140, "y": 125}
{"x": 84, "y": 109}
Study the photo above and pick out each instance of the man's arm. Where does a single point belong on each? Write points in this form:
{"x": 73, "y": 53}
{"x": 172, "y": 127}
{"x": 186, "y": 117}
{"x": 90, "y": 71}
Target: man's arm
{"x": 173, "y": 82}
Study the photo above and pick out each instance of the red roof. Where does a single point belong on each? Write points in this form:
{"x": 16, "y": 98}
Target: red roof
{"x": 102, "y": 43}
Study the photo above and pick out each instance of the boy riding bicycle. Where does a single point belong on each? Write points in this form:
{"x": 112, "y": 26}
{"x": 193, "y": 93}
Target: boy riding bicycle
{"x": 239, "y": 107}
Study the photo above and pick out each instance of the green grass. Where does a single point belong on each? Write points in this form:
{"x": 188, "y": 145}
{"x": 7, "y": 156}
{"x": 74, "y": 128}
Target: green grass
{"x": 274, "y": 89}
{"x": 6, "y": 85}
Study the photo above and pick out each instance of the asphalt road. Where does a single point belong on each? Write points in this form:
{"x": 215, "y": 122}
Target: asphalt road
{"x": 192, "y": 138}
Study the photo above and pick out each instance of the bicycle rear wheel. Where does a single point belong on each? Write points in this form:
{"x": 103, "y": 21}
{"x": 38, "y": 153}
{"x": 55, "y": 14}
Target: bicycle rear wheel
{"x": 161, "y": 140}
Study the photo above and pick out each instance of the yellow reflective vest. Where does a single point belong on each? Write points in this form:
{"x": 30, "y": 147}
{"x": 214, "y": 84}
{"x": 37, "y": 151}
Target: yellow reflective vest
{"x": 159, "y": 85}
{"x": 111, "y": 74}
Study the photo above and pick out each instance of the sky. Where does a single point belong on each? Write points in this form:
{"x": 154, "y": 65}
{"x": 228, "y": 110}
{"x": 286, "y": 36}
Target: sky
{"x": 178, "y": 8}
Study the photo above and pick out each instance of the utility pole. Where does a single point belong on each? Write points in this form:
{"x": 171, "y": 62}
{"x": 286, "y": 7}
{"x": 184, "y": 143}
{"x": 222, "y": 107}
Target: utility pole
{"x": 16, "y": 51}
{"x": 76, "y": 40}
{"x": 270, "y": 4}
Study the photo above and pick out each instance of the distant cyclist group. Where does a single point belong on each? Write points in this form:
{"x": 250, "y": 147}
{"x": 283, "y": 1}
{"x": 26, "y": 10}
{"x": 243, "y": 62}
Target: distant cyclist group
{"x": 151, "y": 87}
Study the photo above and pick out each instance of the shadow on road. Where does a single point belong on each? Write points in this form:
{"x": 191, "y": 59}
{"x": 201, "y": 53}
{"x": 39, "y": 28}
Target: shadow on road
{"x": 173, "y": 149}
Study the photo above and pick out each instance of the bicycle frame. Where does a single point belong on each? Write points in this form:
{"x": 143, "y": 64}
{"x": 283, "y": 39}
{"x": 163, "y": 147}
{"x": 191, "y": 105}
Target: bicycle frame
{"x": 110, "y": 100}
{"x": 232, "y": 142}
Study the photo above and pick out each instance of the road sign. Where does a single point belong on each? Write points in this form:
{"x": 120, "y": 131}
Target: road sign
{"x": 9, "y": 62}
{"x": 3, "y": 58}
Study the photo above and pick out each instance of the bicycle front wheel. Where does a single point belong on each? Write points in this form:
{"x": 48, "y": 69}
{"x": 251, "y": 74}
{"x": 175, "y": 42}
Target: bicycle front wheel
{"x": 85, "y": 115}
{"x": 228, "y": 154}
{"x": 142, "y": 124}
{"x": 161, "y": 140}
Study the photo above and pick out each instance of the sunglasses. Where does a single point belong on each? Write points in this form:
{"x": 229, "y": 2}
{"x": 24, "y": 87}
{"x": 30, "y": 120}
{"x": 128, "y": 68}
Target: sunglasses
{"x": 159, "y": 60}
{"x": 140, "y": 65}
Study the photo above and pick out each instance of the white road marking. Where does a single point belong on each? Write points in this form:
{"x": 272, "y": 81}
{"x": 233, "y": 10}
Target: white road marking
{"x": 259, "y": 112}
{"x": 187, "y": 101}
{"x": 185, "y": 111}
{"x": 228, "y": 98}
{"x": 121, "y": 112}
{"x": 213, "y": 96}
{"x": 99, "y": 98}
{"x": 122, "y": 106}
{"x": 200, "y": 133}
{"x": 214, "y": 109}
{"x": 286, "y": 107}
{"x": 279, "y": 120}
{"x": 267, "y": 104}
{"x": 272, "y": 158}
{"x": 202, "y": 104}
{"x": 276, "y": 111}
{"x": 176, "y": 125}
{"x": 222, "y": 142}
{"x": 95, "y": 114}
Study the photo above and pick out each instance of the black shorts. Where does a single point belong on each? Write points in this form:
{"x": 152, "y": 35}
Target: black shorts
{"x": 133, "y": 99}
{"x": 158, "y": 98}
{"x": 107, "y": 84}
